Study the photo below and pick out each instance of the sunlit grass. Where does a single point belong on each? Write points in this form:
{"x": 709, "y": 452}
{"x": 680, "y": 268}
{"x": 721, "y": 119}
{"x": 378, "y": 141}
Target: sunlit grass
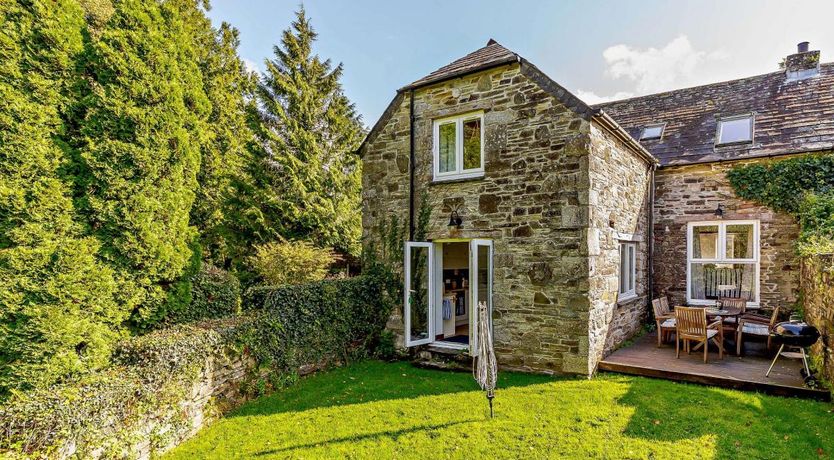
{"x": 381, "y": 410}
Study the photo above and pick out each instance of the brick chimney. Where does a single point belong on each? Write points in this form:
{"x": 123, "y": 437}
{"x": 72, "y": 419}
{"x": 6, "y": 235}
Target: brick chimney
{"x": 804, "y": 64}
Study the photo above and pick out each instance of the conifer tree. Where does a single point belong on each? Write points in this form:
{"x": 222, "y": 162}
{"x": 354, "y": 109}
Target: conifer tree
{"x": 142, "y": 123}
{"x": 302, "y": 177}
{"x": 60, "y": 312}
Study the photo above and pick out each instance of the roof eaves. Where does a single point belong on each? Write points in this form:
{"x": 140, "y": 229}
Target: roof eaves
{"x": 611, "y": 125}
{"x": 491, "y": 65}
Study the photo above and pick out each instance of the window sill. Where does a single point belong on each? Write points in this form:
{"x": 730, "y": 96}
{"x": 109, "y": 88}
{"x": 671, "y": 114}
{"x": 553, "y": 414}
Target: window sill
{"x": 457, "y": 179}
{"x": 626, "y": 298}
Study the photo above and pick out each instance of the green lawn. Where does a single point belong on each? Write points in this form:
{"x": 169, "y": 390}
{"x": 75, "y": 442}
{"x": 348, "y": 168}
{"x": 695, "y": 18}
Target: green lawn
{"x": 380, "y": 410}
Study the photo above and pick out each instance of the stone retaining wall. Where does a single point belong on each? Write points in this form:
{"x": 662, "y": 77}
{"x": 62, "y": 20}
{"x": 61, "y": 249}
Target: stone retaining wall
{"x": 817, "y": 281}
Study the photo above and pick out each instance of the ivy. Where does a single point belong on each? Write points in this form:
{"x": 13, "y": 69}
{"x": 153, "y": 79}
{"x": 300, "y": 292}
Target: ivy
{"x": 802, "y": 187}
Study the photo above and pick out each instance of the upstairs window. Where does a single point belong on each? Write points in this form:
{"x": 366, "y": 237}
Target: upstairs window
{"x": 652, "y": 132}
{"x": 735, "y": 129}
{"x": 459, "y": 147}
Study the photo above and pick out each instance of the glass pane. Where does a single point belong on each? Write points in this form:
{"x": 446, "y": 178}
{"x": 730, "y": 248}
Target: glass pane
{"x": 705, "y": 242}
{"x": 472, "y": 144}
{"x": 631, "y": 268}
{"x": 623, "y": 269}
{"x": 418, "y": 299}
{"x": 740, "y": 241}
{"x": 711, "y": 281}
{"x": 483, "y": 275}
{"x": 446, "y": 147}
{"x": 735, "y": 130}
{"x": 652, "y": 132}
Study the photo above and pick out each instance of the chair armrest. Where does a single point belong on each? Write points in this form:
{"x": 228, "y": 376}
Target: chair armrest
{"x": 664, "y": 317}
{"x": 716, "y": 325}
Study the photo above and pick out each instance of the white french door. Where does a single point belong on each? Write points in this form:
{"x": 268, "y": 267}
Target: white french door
{"x": 480, "y": 282}
{"x": 418, "y": 309}
{"x": 423, "y": 289}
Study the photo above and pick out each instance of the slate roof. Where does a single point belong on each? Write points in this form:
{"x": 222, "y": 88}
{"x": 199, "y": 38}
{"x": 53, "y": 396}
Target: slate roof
{"x": 790, "y": 117}
{"x": 491, "y": 55}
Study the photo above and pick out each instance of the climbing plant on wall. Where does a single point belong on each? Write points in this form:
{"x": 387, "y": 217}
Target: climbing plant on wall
{"x": 801, "y": 186}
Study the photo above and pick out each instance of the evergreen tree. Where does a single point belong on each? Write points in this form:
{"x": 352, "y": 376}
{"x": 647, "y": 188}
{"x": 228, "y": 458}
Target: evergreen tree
{"x": 60, "y": 312}
{"x": 302, "y": 178}
{"x": 227, "y": 85}
{"x": 142, "y": 123}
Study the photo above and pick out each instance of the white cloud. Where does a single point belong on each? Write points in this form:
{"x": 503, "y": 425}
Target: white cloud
{"x": 251, "y": 66}
{"x": 676, "y": 64}
{"x": 659, "y": 69}
{"x": 591, "y": 98}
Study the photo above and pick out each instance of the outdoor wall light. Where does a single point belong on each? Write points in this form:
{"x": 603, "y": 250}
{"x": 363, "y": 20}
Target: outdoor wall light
{"x": 455, "y": 220}
{"x": 719, "y": 211}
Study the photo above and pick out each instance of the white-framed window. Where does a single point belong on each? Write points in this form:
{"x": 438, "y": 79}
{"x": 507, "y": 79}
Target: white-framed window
{"x": 738, "y": 128}
{"x": 722, "y": 260}
{"x": 652, "y": 132}
{"x": 459, "y": 147}
{"x": 628, "y": 269}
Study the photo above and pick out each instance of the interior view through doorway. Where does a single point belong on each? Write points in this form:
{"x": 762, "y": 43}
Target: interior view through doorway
{"x": 444, "y": 283}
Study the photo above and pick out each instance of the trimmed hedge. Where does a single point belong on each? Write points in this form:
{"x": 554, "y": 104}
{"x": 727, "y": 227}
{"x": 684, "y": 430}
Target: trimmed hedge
{"x": 318, "y": 322}
{"x": 106, "y": 413}
{"x": 103, "y": 412}
{"x": 215, "y": 293}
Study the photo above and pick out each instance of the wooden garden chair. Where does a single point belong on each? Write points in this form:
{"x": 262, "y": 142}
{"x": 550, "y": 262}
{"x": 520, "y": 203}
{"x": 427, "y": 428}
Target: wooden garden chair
{"x": 664, "y": 318}
{"x": 732, "y": 303}
{"x": 692, "y": 326}
{"x": 755, "y": 326}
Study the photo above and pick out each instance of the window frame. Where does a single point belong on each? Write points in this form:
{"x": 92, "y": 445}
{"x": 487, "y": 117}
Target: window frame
{"x": 720, "y": 128}
{"x": 662, "y": 127}
{"x": 631, "y": 275}
{"x": 459, "y": 172}
{"x": 721, "y": 256}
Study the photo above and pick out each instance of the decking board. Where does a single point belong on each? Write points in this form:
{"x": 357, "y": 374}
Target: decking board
{"x": 742, "y": 373}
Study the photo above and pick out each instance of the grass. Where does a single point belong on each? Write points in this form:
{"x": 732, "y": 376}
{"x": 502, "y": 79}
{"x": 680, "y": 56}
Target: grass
{"x": 382, "y": 410}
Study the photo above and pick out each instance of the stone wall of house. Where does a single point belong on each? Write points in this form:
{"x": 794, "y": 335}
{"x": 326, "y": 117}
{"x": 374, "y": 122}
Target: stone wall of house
{"x": 620, "y": 182}
{"x": 530, "y": 203}
{"x": 817, "y": 282}
{"x": 692, "y": 193}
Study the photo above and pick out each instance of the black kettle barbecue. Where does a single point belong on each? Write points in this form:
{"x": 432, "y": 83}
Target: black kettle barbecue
{"x": 794, "y": 334}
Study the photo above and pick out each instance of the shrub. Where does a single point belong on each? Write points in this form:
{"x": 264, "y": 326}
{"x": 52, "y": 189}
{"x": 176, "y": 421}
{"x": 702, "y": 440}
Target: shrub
{"x": 315, "y": 322}
{"x": 291, "y": 262}
{"x": 215, "y": 293}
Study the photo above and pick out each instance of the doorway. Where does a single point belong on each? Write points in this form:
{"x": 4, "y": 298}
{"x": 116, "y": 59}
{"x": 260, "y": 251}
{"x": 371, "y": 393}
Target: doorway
{"x": 444, "y": 282}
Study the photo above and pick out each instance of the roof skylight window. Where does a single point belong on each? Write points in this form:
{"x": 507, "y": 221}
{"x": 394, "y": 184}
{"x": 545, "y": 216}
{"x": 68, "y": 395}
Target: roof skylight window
{"x": 652, "y": 132}
{"x": 735, "y": 129}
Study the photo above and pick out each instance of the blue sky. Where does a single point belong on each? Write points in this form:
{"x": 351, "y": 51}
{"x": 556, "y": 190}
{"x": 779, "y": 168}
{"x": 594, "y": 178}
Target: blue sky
{"x": 599, "y": 50}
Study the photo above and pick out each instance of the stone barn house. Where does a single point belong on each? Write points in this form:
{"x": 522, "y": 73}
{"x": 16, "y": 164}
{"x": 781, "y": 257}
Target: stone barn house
{"x": 565, "y": 218}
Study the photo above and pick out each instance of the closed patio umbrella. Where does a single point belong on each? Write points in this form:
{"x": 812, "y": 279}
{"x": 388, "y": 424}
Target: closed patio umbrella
{"x": 485, "y": 368}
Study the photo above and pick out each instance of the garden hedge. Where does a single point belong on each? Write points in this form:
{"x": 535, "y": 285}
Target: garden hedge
{"x": 283, "y": 329}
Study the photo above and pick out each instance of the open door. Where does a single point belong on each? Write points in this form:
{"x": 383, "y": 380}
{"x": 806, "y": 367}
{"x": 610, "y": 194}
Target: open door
{"x": 418, "y": 310}
{"x": 480, "y": 273}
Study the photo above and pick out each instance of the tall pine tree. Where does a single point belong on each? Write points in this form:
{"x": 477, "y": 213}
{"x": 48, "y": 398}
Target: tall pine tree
{"x": 302, "y": 178}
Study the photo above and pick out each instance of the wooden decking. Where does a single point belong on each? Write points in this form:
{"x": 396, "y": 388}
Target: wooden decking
{"x": 742, "y": 373}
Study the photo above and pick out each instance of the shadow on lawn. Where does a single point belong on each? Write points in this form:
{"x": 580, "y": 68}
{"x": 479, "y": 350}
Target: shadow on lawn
{"x": 739, "y": 422}
{"x": 365, "y": 437}
{"x": 370, "y": 381}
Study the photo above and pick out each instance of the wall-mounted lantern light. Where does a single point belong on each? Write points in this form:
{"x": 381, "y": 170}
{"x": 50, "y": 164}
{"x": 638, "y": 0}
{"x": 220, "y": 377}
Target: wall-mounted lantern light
{"x": 719, "y": 211}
